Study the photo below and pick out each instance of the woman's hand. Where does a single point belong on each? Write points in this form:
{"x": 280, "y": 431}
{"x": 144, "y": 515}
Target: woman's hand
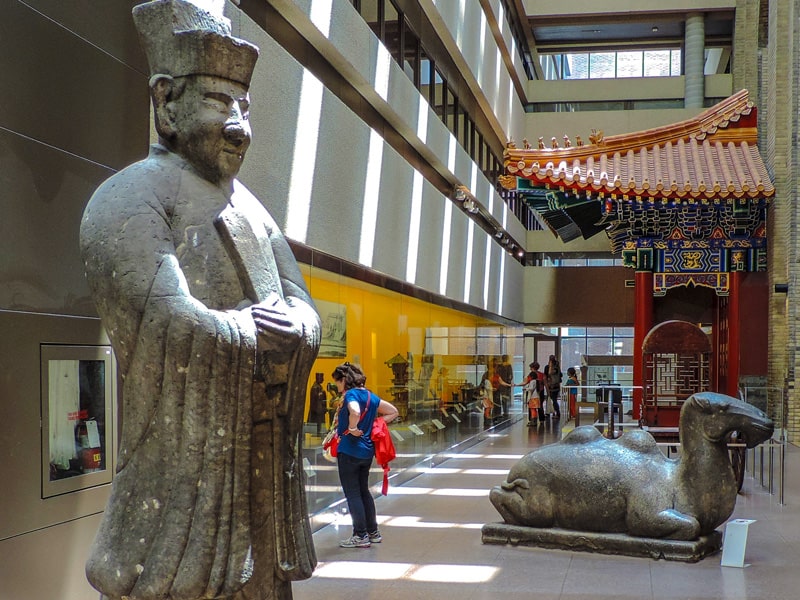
{"x": 387, "y": 411}
{"x": 355, "y": 432}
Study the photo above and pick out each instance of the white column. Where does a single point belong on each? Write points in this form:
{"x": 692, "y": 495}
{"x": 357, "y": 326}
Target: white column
{"x": 694, "y": 60}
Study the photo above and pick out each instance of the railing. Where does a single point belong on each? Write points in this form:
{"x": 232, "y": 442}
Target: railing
{"x": 762, "y": 461}
{"x": 766, "y": 462}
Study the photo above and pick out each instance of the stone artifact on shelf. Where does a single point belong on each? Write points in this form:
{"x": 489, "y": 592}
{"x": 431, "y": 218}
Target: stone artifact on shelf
{"x": 318, "y": 403}
{"x": 400, "y": 383}
{"x": 214, "y": 333}
{"x": 625, "y": 496}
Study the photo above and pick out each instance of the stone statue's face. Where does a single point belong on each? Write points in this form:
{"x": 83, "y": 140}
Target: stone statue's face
{"x": 212, "y": 126}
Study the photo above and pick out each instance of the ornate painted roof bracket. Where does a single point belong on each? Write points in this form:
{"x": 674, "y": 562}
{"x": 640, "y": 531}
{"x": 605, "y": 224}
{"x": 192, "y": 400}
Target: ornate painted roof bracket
{"x": 688, "y": 198}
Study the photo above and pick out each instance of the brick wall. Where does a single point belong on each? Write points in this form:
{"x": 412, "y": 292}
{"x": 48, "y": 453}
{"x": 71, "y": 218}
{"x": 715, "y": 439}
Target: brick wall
{"x": 776, "y": 95}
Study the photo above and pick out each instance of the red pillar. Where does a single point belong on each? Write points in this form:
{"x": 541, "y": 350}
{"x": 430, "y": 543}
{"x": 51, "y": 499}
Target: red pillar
{"x": 642, "y": 324}
{"x": 734, "y": 333}
{"x": 716, "y": 341}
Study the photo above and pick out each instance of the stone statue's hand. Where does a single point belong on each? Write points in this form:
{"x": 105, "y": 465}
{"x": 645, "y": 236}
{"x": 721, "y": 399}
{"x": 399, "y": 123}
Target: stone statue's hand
{"x": 308, "y": 316}
{"x": 277, "y": 326}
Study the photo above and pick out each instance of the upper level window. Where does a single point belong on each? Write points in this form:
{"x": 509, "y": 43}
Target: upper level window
{"x": 612, "y": 65}
{"x": 564, "y": 259}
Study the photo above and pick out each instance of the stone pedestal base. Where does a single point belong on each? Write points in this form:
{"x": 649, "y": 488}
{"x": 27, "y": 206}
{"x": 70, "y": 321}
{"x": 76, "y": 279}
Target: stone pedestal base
{"x": 603, "y": 543}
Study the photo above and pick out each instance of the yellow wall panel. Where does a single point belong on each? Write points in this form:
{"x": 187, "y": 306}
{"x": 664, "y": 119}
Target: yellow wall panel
{"x": 381, "y": 324}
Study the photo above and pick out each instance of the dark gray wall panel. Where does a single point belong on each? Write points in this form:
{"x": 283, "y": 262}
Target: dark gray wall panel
{"x": 49, "y": 563}
{"x": 107, "y": 25}
{"x": 62, "y": 90}
{"x": 44, "y": 192}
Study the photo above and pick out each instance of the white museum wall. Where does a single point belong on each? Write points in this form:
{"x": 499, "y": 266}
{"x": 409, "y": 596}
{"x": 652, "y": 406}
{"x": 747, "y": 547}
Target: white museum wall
{"x": 335, "y": 165}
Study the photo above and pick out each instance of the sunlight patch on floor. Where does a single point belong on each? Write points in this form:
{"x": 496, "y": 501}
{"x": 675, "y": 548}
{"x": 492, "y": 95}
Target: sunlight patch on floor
{"x": 438, "y": 471}
{"x": 405, "y": 490}
{"x": 345, "y": 569}
{"x": 485, "y": 472}
{"x": 454, "y": 573}
{"x": 460, "y": 492}
{"x": 382, "y": 571}
{"x": 482, "y": 456}
{"x": 411, "y": 521}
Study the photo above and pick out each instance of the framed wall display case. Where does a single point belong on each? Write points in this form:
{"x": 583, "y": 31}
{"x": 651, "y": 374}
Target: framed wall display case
{"x": 77, "y": 395}
{"x": 334, "y": 329}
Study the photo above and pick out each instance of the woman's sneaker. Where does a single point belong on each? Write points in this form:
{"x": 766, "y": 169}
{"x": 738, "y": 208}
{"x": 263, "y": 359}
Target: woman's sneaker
{"x": 376, "y": 538}
{"x": 355, "y": 541}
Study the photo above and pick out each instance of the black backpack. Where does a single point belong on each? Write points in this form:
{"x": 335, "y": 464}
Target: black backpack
{"x": 554, "y": 379}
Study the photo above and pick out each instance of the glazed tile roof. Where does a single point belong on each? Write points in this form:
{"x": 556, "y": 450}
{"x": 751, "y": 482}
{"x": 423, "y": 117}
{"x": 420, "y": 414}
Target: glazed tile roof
{"x": 711, "y": 156}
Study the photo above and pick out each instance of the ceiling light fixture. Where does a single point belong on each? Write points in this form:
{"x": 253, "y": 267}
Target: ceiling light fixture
{"x": 655, "y": 29}
{"x": 470, "y": 206}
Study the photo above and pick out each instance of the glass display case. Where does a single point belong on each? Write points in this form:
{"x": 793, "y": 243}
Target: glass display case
{"x": 77, "y": 391}
{"x": 426, "y": 359}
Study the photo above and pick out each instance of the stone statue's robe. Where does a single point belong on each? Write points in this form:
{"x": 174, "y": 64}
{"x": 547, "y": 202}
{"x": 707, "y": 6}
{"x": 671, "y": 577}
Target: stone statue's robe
{"x": 208, "y": 500}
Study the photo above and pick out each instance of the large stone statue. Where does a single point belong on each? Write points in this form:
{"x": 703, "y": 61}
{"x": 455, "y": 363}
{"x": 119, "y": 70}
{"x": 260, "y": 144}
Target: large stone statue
{"x": 214, "y": 334}
{"x": 588, "y": 483}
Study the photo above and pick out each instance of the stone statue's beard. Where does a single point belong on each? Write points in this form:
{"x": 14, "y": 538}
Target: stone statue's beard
{"x": 209, "y": 153}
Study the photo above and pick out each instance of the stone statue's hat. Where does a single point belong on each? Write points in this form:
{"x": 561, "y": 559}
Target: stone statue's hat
{"x": 180, "y": 38}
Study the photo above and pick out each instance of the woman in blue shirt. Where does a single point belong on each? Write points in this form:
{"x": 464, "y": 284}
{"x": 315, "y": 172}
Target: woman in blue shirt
{"x": 356, "y": 451}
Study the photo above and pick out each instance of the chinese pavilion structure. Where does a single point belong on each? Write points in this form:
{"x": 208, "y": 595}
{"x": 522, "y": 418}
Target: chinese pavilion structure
{"x": 684, "y": 205}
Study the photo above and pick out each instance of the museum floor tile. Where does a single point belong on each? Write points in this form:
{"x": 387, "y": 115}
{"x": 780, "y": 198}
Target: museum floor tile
{"x": 432, "y": 546}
